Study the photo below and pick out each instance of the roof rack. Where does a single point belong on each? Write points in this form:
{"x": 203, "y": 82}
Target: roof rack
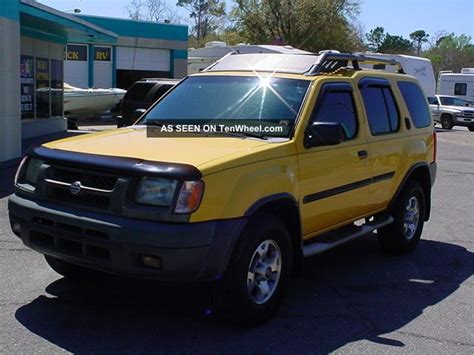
{"x": 331, "y": 61}
{"x": 326, "y": 62}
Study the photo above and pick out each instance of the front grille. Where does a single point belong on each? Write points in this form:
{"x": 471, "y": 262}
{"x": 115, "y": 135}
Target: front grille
{"x": 469, "y": 114}
{"x": 103, "y": 182}
{"x": 96, "y": 188}
{"x": 83, "y": 199}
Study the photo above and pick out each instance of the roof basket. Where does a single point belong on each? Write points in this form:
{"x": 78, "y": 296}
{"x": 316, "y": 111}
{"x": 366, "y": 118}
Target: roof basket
{"x": 331, "y": 61}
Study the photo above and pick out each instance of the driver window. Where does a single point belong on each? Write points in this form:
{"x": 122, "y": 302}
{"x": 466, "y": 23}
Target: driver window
{"x": 337, "y": 107}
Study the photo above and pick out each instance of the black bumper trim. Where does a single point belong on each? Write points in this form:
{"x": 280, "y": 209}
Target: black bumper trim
{"x": 188, "y": 251}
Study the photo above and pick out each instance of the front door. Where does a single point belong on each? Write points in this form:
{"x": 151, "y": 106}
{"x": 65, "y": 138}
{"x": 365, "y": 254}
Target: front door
{"x": 334, "y": 180}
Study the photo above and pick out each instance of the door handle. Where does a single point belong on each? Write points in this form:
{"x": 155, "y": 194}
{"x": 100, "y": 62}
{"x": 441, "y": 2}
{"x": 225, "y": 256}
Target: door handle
{"x": 362, "y": 154}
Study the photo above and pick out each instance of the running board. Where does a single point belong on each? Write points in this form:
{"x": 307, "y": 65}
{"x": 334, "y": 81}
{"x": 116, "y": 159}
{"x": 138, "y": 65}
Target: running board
{"x": 346, "y": 236}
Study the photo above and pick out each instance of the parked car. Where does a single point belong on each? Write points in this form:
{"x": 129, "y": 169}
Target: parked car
{"x": 141, "y": 95}
{"x": 338, "y": 153}
{"x": 451, "y": 111}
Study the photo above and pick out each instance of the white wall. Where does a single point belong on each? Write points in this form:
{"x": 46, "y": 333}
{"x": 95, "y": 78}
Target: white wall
{"x": 143, "y": 59}
{"x": 102, "y": 75}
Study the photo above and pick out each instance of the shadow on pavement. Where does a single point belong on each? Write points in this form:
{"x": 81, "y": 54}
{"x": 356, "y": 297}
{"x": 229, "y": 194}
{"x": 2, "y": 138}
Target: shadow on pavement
{"x": 348, "y": 294}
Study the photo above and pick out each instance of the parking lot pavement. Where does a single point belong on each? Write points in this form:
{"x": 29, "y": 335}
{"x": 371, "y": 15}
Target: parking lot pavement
{"x": 349, "y": 300}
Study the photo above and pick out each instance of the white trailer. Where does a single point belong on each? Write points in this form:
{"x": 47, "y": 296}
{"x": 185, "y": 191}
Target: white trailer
{"x": 420, "y": 68}
{"x": 457, "y": 84}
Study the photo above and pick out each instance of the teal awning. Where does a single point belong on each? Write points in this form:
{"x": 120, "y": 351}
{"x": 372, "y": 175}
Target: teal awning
{"x": 43, "y": 22}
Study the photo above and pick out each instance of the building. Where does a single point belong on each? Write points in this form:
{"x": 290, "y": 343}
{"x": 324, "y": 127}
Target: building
{"x": 34, "y": 41}
{"x": 142, "y": 49}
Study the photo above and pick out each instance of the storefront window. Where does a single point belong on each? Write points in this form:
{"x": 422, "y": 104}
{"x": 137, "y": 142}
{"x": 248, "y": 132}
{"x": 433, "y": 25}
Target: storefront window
{"x": 57, "y": 77}
{"x": 42, "y": 88}
{"x": 27, "y": 81}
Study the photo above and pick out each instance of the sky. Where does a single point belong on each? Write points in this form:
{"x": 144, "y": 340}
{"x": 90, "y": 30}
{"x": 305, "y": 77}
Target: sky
{"x": 398, "y": 17}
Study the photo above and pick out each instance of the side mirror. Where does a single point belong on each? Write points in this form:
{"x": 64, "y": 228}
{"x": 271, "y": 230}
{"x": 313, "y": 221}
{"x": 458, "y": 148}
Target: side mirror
{"x": 138, "y": 113}
{"x": 323, "y": 133}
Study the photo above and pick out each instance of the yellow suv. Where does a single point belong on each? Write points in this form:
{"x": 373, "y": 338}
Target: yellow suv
{"x": 236, "y": 175}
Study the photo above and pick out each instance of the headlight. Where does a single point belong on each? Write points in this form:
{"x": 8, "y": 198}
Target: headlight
{"x": 28, "y": 171}
{"x": 157, "y": 192}
{"x": 189, "y": 197}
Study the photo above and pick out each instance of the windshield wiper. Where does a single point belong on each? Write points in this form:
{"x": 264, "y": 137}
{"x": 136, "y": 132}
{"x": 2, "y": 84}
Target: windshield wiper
{"x": 240, "y": 134}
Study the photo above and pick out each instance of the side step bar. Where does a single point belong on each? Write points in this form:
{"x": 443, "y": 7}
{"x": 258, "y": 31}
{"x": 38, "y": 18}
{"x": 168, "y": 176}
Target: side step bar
{"x": 344, "y": 237}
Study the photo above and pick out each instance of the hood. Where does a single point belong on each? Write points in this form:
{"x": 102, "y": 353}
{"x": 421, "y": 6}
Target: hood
{"x": 458, "y": 108}
{"x": 134, "y": 143}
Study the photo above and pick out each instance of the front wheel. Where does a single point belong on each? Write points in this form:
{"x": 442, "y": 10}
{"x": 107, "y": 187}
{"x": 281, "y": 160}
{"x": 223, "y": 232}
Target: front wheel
{"x": 259, "y": 268}
{"x": 409, "y": 213}
{"x": 447, "y": 122}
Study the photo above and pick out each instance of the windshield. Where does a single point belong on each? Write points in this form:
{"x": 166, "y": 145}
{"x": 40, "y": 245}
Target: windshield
{"x": 452, "y": 101}
{"x": 236, "y": 99}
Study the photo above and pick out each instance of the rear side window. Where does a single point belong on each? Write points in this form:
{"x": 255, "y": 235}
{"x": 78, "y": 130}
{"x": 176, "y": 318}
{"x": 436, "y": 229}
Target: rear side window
{"x": 138, "y": 91}
{"x": 161, "y": 91}
{"x": 460, "y": 89}
{"x": 416, "y": 103}
{"x": 337, "y": 107}
{"x": 432, "y": 100}
{"x": 382, "y": 111}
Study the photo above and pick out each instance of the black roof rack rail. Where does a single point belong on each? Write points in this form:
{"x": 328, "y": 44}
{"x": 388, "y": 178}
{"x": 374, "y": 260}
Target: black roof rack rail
{"x": 330, "y": 62}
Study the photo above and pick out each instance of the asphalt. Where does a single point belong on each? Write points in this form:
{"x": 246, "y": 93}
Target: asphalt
{"x": 353, "y": 299}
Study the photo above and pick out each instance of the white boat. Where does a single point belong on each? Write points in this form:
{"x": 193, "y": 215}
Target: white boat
{"x": 81, "y": 103}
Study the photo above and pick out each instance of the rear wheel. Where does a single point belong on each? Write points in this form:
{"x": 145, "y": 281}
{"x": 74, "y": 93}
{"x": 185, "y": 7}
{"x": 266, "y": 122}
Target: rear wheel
{"x": 471, "y": 128}
{"x": 70, "y": 271}
{"x": 447, "y": 122}
{"x": 259, "y": 268}
{"x": 409, "y": 214}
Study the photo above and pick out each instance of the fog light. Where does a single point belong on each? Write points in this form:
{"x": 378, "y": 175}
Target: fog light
{"x": 16, "y": 228}
{"x": 151, "y": 261}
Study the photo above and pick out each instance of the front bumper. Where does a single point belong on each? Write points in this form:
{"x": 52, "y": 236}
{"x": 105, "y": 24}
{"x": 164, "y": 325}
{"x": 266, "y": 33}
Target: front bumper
{"x": 188, "y": 251}
{"x": 464, "y": 120}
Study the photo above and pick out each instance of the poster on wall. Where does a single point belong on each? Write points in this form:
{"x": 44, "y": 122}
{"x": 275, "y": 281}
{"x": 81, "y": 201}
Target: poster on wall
{"x": 76, "y": 52}
{"x": 42, "y": 88}
{"x": 102, "y": 54}
{"x": 27, "y": 86}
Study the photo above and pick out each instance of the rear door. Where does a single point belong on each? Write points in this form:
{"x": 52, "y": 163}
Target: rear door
{"x": 386, "y": 133}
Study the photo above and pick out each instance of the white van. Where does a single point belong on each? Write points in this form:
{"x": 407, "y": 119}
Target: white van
{"x": 457, "y": 84}
{"x": 421, "y": 68}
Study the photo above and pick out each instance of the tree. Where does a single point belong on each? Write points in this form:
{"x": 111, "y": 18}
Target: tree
{"x": 206, "y": 15}
{"x": 381, "y": 42}
{"x": 151, "y": 10}
{"x": 307, "y": 24}
{"x": 396, "y": 45}
{"x": 375, "y": 38}
{"x": 419, "y": 37}
{"x": 451, "y": 52}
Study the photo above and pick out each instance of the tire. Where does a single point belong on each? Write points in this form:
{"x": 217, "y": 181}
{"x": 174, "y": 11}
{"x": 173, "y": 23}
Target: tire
{"x": 447, "y": 122}
{"x": 72, "y": 125}
{"x": 397, "y": 237}
{"x": 71, "y": 271}
{"x": 249, "y": 293}
{"x": 471, "y": 128}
